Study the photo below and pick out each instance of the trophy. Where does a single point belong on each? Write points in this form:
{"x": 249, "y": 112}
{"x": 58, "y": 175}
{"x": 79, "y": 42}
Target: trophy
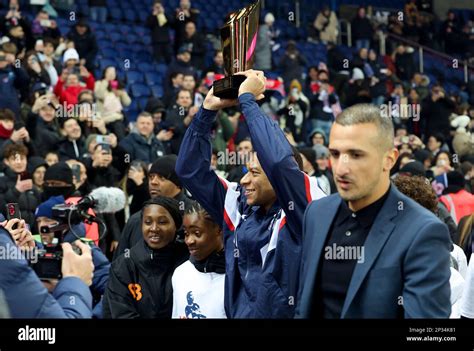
{"x": 239, "y": 39}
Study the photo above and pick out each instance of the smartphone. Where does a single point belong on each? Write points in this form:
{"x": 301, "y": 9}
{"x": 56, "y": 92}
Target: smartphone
{"x": 106, "y": 148}
{"x": 45, "y": 23}
{"x": 102, "y": 139}
{"x": 13, "y": 211}
{"x": 25, "y": 175}
{"x": 76, "y": 172}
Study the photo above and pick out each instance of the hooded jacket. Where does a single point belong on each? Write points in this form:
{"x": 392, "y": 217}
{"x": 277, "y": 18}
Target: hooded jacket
{"x": 140, "y": 285}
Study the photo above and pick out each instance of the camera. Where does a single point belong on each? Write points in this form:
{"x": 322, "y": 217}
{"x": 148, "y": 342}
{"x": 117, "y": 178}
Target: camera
{"x": 49, "y": 258}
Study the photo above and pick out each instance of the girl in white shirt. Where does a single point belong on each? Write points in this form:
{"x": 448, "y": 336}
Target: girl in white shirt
{"x": 198, "y": 284}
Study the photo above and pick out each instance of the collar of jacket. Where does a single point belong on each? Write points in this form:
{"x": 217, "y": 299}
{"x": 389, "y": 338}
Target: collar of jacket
{"x": 157, "y": 258}
{"x": 214, "y": 263}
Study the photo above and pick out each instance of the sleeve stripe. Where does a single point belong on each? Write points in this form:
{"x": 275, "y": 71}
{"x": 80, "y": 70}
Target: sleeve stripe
{"x": 231, "y": 204}
{"x": 307, "y": 187}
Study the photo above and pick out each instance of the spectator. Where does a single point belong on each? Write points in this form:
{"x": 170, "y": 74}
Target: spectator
{"x": 159, "y": 23}
{"x": 326, "y": 24}
{"x": 244, "y": 149}
{"x": 292, "y": 64}
{"x": 182, "y": 64}
{"x": 362, "y": 31}
{"x": 112, "y": 97}
{"x": 183, "y": 14}
{"x": 42, "y": 26}
{"x": 179, "y": 117}
{"x": 69, "y": 86}
{"x": 198, "y": 284}
{"x": 137, "y": 185}
{"x": 295, "y": 111}
{"x": 73, "y": 145}
{"x": 144, "y": 274}
{"x": 172, "y": 87}
{"x": 265, "y": 41}
{"x": 100, "y": 171}
{"x": 13, "y": 82}
{"x": 217, "y": 66}
{"x": 51, "y": 158}
{"x": 162, "y": 182}
{"x": 36, "y": 71}
{"x": 49, "y": 47}
{"x": 457, "y": 200}
{"x": 310, "y": 167}
{"x": 402, "y": 57}
{"x": 98, "y": 10}
{"x": 142, "y": 144}
{"x": 358, "y": 89}
{"x": 16, "y": 184}
{"x": 8, "y": 135}
{"x": 85, "y": 43}
{"x": 436, "y": 144}
{"x": 43, "y": 126}
{"x": 196, "y": 44}
{"x": 37, "y": 168}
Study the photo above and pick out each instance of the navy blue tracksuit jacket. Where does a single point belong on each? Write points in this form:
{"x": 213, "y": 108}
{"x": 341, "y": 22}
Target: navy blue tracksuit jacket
{"x": 262, "y": 250}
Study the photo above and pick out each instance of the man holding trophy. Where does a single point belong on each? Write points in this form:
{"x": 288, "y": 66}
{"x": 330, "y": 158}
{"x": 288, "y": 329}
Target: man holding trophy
{"x": 262, "y": 216}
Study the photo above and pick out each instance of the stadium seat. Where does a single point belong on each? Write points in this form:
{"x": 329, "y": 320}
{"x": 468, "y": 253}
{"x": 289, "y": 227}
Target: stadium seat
{"x": 142, "y": 102}
{"x": 153, "y": 78}
{"x": 157, "y": 90}
{"x": 134, "y": 77}
{"x": 145, "y": 67}
{"x": 139, "y": 90}
{"x": 116, "y": 14}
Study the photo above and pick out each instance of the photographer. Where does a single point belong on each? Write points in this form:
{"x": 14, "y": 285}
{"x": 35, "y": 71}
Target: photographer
{"x": 25, "y": 294}
{"x": 48, "y": 227}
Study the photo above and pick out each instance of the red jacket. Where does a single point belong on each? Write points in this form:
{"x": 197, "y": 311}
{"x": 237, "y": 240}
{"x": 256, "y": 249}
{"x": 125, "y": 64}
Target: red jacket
{"x": 463, "y": 204}
{"x": 70, "y": 94}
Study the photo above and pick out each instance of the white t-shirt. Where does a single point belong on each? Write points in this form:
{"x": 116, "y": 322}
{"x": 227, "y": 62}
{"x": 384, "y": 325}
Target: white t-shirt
{"x": 196, "y": 294}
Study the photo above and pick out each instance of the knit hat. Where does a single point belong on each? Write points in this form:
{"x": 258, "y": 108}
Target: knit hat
{"x": 70, "y": 54}
{"x": 35, "y": 162}
{"x": 415, "y": 168}
{"x": 59, "y": 171}
{"x": 321, "y": 151}
{"x": 357, "y": 74}
{"x": 171, "y": 205}
{"x": 45, "y": 209}
{"x": 165, "y": 167}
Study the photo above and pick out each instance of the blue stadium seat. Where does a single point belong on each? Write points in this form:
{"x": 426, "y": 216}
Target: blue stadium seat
{"x": 104, "y": 43}
{"x": 100, "y": 35}
{"x": 132, "y": 38}
{"x": 125, "y": 29}
{"x": 110, "y": 27}
{"x": 132, "y": 115}
{"x": 139, "y": 90}
{"x": 142, "y": 102}
{"x": 116, "y": 14}
{"x": 145, "y": 67}
{"x": 106, "y": 62}
{"x": 146, "y": 39}
{"x": 141, "y": 30}
{"x": 157, "y": 90}
{"x": 108, "y": 53}
{"x": 161, "y": 68}
{"x": 134, "y": 77}
{"x": 143, "y": 56}
{"x": 120, "y": 46}
{"x": 153, "y": 78}
{"x": 133, "y": 106}
{"x": 137, "y": 47}
{"x": 116, "y": 37}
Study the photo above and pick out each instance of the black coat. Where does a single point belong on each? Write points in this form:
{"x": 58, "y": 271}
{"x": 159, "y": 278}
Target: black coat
{"x": 67, "y": 151}
{"x": 86, "y": 46}
{"x": 45, "y": 136}
{"x": 28, "y": 200}
{"x": 140, "y": 285}
{"x": 435, "y": 116}
{"x": 159, "y": 35}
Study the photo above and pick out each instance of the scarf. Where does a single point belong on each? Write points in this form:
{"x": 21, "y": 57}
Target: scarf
{"x": 5, "y": 133}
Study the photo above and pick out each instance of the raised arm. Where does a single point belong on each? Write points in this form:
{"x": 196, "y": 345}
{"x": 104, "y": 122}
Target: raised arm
{"x": 194, "y": 162}
{"x": 294, "y": 189}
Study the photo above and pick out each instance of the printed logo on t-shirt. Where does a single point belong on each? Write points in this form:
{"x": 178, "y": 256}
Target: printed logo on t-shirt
{"x": 136, "y": 291}
{"x": 192, "y": 310}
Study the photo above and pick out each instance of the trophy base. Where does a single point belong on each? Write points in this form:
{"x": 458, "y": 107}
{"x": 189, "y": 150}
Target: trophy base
{"x": 228, "y": 87}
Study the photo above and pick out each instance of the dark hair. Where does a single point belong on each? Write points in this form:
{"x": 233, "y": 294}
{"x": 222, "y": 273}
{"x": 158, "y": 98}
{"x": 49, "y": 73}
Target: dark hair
{"x": 440, "y": 153}
{"x": 7, "y": 115}
{"x": 418, "y": 189}
{"x": 14, "y": 149}
{"x": 439, "y": 137}
{"x": 105, "y": 70}
{"x": 396, "y": 167}
{"x": 141, "y": 164}
{"x": 297, "y": 156}
{"x": 171, "y": 205}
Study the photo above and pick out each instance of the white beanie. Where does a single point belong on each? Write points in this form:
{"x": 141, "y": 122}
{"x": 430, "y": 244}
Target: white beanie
{"x": 70, "y": 54}
{"x": 269, "y": 18}
{"x": 357, "y": 74}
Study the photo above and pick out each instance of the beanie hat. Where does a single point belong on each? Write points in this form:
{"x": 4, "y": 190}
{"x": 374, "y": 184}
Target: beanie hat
{"x": 59, "y": 171}
{"x": 415, "y": 168}
{"x": 45, "y": 209}
{"x": 456, "y": 182}
{"x": 70, "y": 54}
{"x": 164, "y": 166}
{"x": 171, "y": 205}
